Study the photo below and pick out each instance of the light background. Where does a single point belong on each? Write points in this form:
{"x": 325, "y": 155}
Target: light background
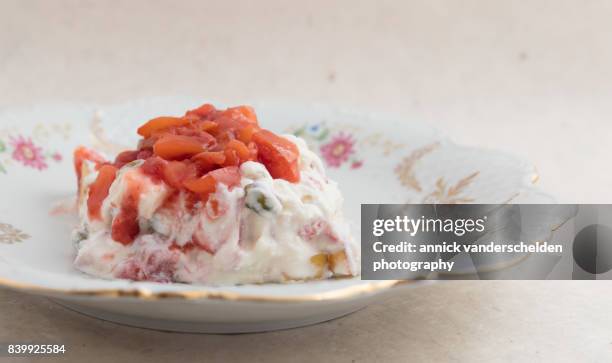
{"x": 531, "y": 77}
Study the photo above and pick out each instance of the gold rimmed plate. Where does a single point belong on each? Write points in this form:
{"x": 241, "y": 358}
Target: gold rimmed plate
{"x": 375, "y": 159}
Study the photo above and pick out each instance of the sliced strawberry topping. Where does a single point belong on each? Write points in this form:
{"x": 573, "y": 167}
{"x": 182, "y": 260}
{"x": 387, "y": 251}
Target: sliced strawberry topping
{"x": 207, "y": 184}
{"x": 229, "y": 176}
{"x": 203, "y": 186}
{"x": 203, "y": 111}
{"x": 161, "y": 123}
{"x": 279, "y": 155}
{"x": 154, "y": 167}
{"x": 125, "y": 158}
{"x": 98, "y": 190}
{"x": 176, "y": 172}
{"x": 172, "y": 147}
{"x": 242, "y": 111}
{"x": 236, "y": 153}
{"x": 209, "y": 160}
{"x": 214, "y": 139}
{"x": 81, "y": 154}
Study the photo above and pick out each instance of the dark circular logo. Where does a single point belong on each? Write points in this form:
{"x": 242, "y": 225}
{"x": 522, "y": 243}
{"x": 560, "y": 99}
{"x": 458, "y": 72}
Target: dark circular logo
{"x": 592, "y": 249}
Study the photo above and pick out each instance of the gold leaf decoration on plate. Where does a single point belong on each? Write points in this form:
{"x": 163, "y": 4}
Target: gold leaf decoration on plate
{"x": 101, "y": 142}
{"x": 379, "y": 140}
{"x": 405, "y": 169}
{"x": 43, "y": 130}
{"x": 10, "y": 234}
{"x": 445, "y": 194}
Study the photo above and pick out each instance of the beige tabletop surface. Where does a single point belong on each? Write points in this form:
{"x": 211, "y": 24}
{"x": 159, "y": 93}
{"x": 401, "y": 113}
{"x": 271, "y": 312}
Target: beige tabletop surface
{"x": 532, "y": 77}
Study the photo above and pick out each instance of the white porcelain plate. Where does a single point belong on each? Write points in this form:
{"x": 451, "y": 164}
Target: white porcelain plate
{"x": 375, "y": 159}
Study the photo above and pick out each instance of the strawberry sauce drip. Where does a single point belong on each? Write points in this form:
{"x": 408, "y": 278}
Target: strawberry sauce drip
{"x": 125, "y": 225}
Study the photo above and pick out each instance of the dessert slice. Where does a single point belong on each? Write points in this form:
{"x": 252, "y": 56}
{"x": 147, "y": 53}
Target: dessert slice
{"x": 211, "y": 197}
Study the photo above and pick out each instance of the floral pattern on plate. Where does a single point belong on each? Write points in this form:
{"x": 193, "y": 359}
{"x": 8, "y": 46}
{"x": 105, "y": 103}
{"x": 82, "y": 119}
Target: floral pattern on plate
{"x": 336, "y": 148}
{"x": 30, "y": 150}
{"x": 10, "y": 234}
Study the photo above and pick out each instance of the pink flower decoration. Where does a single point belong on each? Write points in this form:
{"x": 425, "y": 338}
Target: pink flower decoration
{"x": 356, "y": 164}
{"x": 27, "y": 153}
{"x": 338, "y": 150}
{"x": 57, "y": 156}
